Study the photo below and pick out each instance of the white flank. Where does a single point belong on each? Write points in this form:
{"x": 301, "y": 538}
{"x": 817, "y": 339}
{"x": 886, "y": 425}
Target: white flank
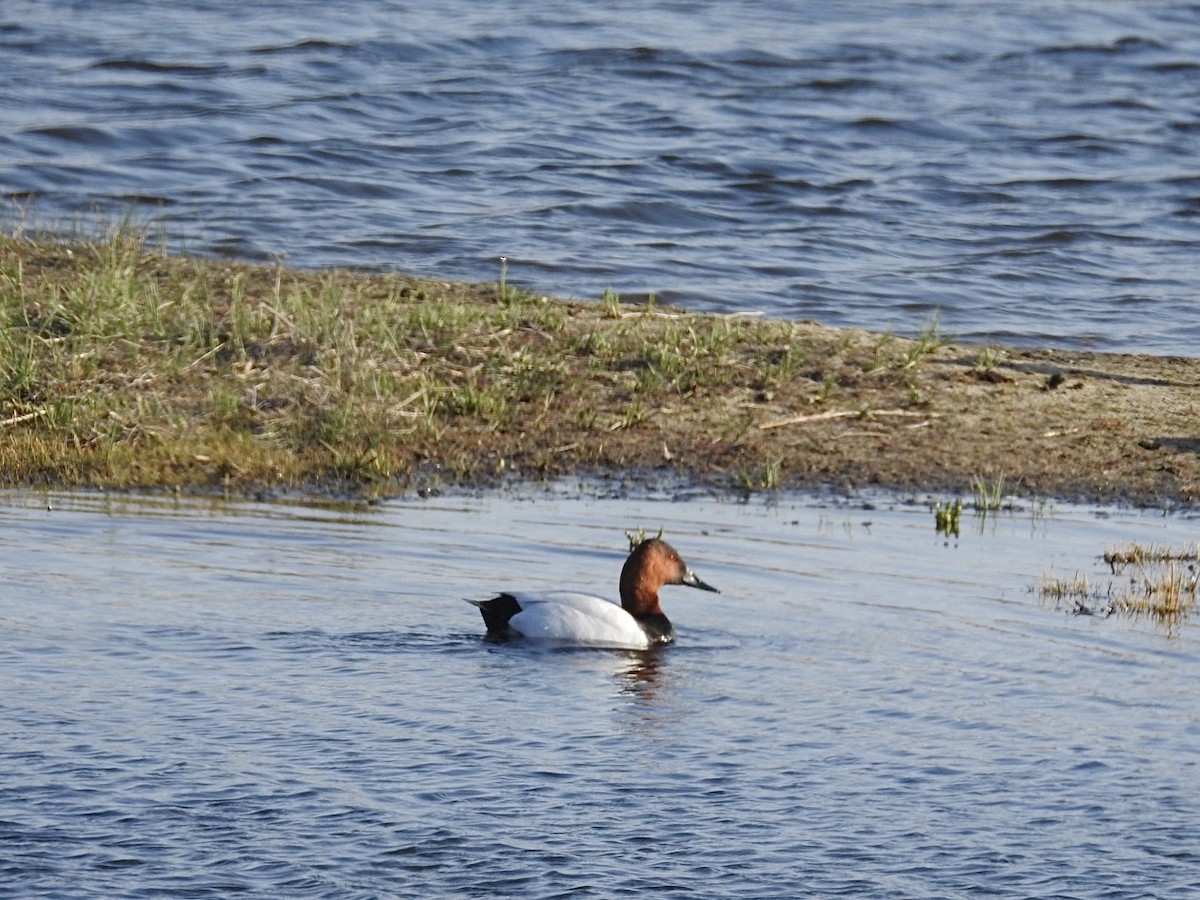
{"x": 578, "y": 618}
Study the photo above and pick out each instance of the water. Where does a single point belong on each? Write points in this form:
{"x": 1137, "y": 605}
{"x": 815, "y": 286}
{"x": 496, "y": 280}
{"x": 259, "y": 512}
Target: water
{"x": 208, "y": 699}
{"x": 1028, "y": 169}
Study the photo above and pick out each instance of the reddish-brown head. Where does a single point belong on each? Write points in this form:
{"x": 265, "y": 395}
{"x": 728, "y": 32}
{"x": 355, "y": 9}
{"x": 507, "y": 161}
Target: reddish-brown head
{"x": 652, "y": 564}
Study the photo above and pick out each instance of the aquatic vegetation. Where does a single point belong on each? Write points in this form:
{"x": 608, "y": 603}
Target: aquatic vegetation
{"x": 766, "y": 476}
{"x": 1078, "y": 595}
{"x": 1120, "y": 558}
{"x": 1167, "y": 594}
{"x": 946, "y": 518}
{"x": 772, "y": 476}
{"x": 989, "y": 494}
{"x": 1161, "y": 583}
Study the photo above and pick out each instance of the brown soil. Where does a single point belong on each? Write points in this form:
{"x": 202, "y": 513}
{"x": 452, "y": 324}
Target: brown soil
{"x": 1077, "y": 425}
{"x": 1095, "y": 426}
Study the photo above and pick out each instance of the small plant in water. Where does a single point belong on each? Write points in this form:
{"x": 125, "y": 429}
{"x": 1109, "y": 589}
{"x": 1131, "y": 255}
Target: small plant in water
{"x": 1164, "y": 586}
{"x": 1138, "y": 555}
{"x": 1080, "y": 596}
{"x": 988, "y": 494}
{"x": 773, "y": 475}
{"x": 946, "y": 518}
{"x": 769, "y": 477}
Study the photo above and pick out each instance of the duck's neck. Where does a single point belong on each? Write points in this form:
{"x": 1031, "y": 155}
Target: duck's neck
{"x": 641, "y": 602}
{"x": 639, "y": 593}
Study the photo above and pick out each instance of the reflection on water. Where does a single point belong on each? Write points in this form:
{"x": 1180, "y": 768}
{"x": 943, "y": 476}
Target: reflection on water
{"x": 641, "y": 674}
{"x": 209, "y": 699}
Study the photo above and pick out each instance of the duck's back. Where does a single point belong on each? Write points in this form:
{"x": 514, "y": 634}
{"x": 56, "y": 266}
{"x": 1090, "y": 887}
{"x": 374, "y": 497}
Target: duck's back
{"x": 578, "y": 618}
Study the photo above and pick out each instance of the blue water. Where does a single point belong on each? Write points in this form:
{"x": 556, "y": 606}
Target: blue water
{"x": 214, "y": 700}
{"x": 1027, "y": 169}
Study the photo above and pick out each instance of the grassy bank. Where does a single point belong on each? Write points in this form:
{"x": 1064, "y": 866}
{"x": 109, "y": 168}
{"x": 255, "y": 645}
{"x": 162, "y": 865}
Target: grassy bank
{"x": 123, "y": 366}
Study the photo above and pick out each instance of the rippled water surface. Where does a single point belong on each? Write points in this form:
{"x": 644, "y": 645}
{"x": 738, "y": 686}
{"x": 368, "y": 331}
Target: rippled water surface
{"x": 1029, "y": 169}
{"x": 210, "y": 699}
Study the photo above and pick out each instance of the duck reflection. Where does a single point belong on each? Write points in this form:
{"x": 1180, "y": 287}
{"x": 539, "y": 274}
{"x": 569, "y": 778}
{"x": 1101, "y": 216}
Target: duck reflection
{"x": 641, "y": 673}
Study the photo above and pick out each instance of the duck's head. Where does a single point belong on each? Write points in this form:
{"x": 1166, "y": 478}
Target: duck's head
{"x": 652, "y": 564}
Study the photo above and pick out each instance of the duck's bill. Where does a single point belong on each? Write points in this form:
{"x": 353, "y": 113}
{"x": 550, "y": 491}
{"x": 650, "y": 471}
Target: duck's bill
{"x": 691, "y": 580}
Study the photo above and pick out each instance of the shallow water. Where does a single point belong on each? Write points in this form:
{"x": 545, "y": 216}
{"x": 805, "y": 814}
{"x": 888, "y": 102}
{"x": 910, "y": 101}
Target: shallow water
{"x": 1027, "y": 168}
{"x": 203, "y": 699}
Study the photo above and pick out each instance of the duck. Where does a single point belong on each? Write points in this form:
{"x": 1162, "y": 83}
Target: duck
{"x": 570, "y": 617}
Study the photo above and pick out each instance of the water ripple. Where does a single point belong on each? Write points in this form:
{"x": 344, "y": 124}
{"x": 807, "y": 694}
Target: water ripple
{"x": 879, "y": 715}
{"x": 793, "y": 159}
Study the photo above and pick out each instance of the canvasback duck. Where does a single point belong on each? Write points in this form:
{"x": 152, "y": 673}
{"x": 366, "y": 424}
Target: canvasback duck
{"x": 638, "y": 623}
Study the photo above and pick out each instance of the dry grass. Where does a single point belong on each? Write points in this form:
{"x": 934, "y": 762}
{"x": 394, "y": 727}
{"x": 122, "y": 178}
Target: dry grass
{"x": 1159, "y": 582}
{"x": 1142, "y": 556}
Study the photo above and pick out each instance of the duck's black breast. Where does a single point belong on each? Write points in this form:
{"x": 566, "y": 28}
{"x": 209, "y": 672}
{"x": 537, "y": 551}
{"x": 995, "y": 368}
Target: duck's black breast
{"x": 658, "y": 628}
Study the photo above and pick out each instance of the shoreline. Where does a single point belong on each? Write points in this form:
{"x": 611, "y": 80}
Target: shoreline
{"x": 123, "y": 367}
